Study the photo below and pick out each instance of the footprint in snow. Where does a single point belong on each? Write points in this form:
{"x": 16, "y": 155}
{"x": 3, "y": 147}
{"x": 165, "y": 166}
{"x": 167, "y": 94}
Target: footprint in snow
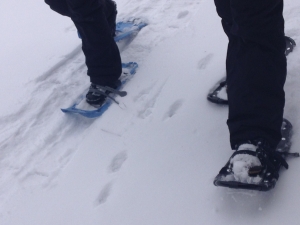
{"x": 204, "y": 61}
{"x": 173, "y": 109}
{"x": 104, "y": 194}
{"x": 114, "y": 166}
{"x": 117, "y": 162}
{"x": 182, "y": 14}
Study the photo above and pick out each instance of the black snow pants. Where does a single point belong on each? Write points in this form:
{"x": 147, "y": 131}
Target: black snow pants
{"x": 95, "y": 21}
{"x": 256, "y": 68}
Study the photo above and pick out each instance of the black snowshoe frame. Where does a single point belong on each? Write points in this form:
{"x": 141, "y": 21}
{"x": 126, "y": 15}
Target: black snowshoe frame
{"x": 213, "y": 94}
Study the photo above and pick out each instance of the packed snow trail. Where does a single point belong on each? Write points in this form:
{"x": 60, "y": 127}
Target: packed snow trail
{"x": 39, "y": 156}
{"x": 153, "y": 163}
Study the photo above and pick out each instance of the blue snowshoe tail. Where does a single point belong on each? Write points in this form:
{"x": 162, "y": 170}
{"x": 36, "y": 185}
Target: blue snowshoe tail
{"x": 131, "y": 67}
{"x": 125, "y": 29}
{"x": 214, "y": 95}
{"x": 225, "y": 178}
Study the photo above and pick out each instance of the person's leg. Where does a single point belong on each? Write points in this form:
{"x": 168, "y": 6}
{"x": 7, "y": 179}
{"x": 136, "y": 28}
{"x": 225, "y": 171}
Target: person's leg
{"x": 257, "y": 71}
{"x": 102, "y": 54}
{"x": 256, "y": 68}
{"x": 224, "y": 11}
{"x": 59, "y": 6}
{"x": 111, "y": 15}
{"x": 95, "y": 20}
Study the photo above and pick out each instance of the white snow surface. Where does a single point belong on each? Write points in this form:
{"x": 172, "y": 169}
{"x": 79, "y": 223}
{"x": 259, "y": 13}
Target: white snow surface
{"x": 247, "y": 146}
{"x": 223, "y": 93}
{"x": 151, "y": 163}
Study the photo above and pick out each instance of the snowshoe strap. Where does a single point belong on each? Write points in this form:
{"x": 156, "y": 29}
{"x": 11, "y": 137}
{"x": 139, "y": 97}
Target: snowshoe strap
{"x": 114, "y": 91}
{"x": 108, "y": 96}
{"x": 279, "y": 157}
{"x": 248, "y": 152}
{"x": 267, "y": 159}
{"x": 292, "y": 154}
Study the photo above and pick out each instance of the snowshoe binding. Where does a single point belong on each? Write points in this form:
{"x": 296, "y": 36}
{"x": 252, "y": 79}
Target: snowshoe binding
{"x": 98, "y": 94}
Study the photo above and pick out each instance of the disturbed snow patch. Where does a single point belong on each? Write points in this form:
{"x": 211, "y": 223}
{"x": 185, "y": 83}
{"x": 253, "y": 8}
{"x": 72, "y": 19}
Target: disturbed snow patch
{"x": 241, "y": 164}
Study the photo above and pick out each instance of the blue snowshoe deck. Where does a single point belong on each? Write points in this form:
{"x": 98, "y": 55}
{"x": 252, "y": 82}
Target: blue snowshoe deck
{"x": 81, "y": 107}
{"x": 127, "y": 28}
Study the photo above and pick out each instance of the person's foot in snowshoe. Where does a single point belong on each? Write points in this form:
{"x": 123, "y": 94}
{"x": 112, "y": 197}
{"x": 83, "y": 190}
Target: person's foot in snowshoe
{"x": 255, "y": 164}
{"x": 254, "y": 161}
{"x": 98, "y": 94}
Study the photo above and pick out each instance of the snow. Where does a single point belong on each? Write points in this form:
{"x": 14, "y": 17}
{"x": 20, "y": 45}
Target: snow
{"x": 152, "y": 162}
{"x": 241, "y": 163}
{"x": 223, "y": 93}
{"x": 247, "y": 146}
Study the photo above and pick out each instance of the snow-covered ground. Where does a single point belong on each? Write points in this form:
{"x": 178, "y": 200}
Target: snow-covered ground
{"x": 151, "y": 163}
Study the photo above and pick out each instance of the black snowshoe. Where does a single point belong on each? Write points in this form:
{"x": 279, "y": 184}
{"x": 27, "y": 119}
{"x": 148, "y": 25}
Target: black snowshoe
{"x": 264, "y": 175}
